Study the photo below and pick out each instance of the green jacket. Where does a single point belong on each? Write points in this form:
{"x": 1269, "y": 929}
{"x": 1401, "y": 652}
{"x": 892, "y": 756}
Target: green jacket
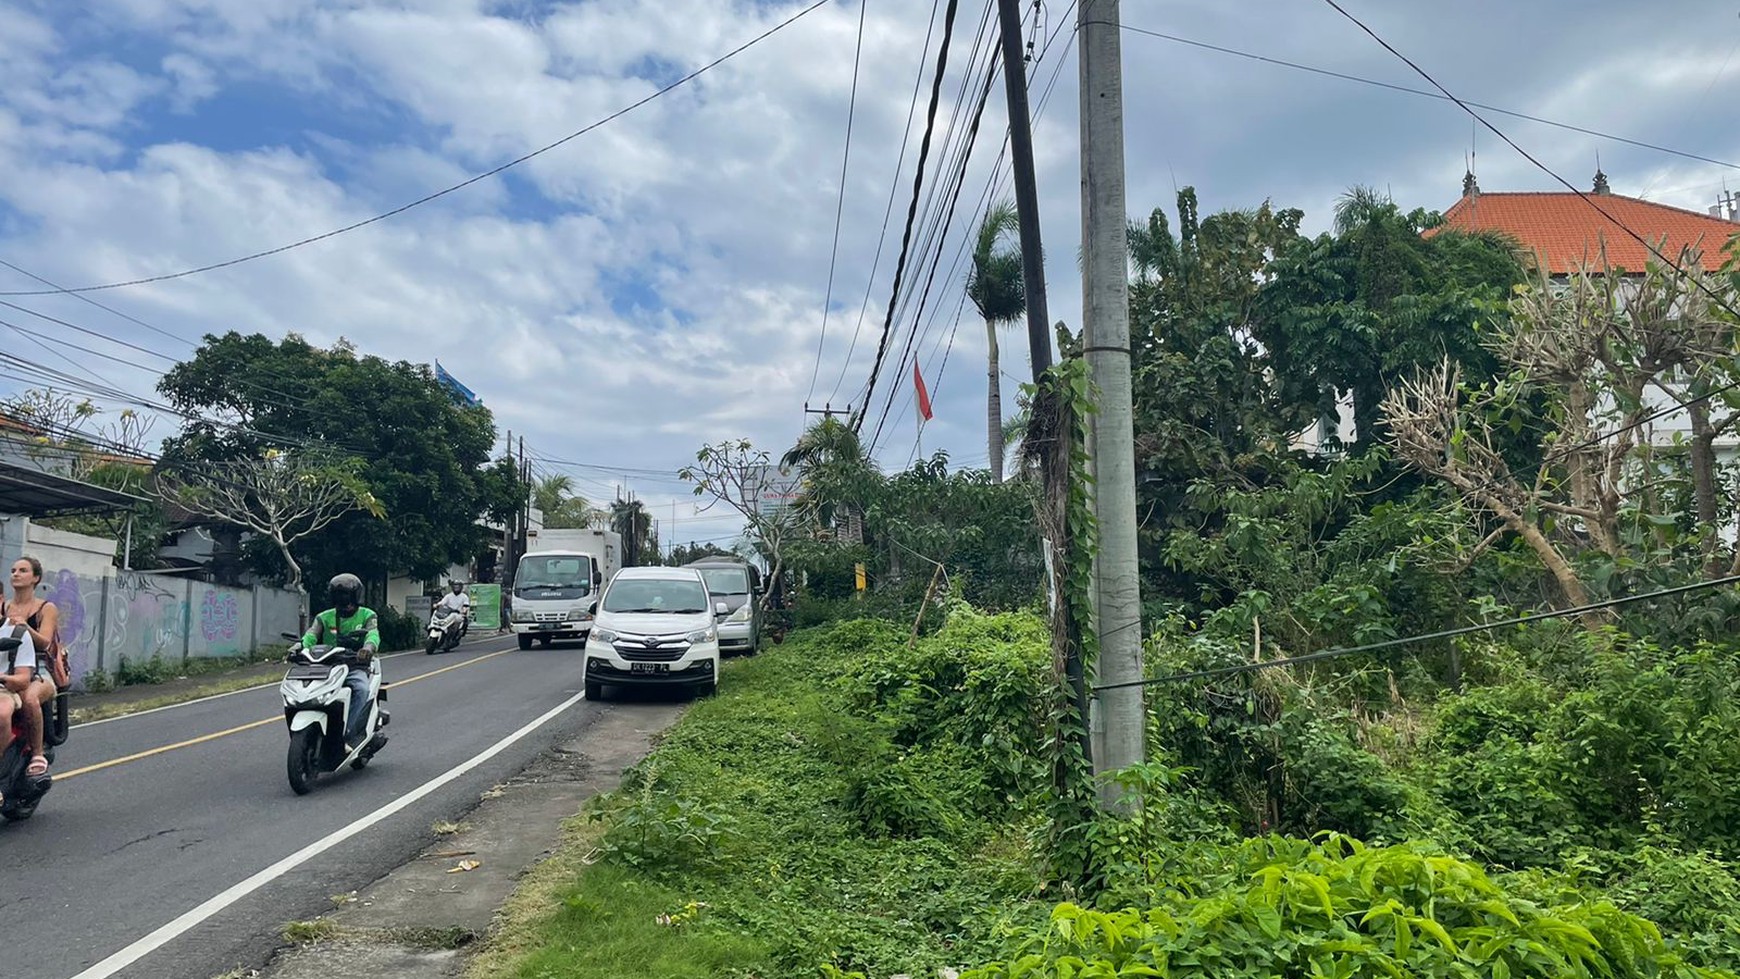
{"x": 326, "y": 625}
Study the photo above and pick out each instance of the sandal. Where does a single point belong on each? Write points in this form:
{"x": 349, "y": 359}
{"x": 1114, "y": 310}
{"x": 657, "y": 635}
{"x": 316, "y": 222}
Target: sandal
{"x": 38, "y": 767}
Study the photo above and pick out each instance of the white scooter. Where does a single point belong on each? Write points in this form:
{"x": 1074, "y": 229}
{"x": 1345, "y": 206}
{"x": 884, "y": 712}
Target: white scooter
{"x": 316, "y": 705}
{"x": 446, "y": 628}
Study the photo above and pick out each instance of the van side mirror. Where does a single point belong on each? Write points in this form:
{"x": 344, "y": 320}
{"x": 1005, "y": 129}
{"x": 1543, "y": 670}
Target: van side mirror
{"x": 720, "y": 608}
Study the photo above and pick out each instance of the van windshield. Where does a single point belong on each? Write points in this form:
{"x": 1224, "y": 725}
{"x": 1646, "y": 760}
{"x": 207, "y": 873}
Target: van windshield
{"x": 726, "y": 581}
{"x": 677, "y": 596}
{"x": 563, "y": 572}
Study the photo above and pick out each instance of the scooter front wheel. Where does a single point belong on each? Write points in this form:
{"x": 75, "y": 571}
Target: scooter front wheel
{"x": 302, "y": 763}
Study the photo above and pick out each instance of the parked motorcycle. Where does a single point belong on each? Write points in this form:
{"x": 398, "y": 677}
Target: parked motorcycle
{"x": 446, "y": 628}
{"x": 22, "y": 792}
{"x": 316, "y": 704}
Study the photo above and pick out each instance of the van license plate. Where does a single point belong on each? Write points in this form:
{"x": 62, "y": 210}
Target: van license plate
{"x": 649, "y": 667}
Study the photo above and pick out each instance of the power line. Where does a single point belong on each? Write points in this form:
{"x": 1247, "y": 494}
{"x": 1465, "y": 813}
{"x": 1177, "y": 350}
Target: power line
{"x": 294, "y": 400}
{"x": 958, "y": 183}
{"x": 1440, "y": 96}
{"x": 948, "y": 219}
{"x": 840, "y": 205}
{"x": 995, "y": 181}
{"x": 88, "y": 331}
{"x": 888, "y": 210}
{"x": 930, "y": 220}
{"x": 691, "y": 76}
{"x": 912, "y": 209}
{"x": 1585, "y": 198}
{"x": 1426, "y": 637}
{"x": 81, "y": 297}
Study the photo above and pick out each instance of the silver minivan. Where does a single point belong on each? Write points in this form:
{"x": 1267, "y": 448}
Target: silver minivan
{"x": 736, "y": 583}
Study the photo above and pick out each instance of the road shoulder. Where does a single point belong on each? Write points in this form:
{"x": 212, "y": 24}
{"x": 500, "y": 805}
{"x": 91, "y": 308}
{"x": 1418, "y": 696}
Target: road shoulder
{"x": 421, "y": 920}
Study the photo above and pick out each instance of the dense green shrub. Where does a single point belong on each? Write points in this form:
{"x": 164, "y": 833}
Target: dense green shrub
{"x": 1279, "y": 907}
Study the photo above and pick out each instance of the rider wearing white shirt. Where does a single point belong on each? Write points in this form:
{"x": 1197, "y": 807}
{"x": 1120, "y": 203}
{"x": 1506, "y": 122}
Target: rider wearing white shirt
{"x": 20, "y": 673}
{"x": 457, "y": 601}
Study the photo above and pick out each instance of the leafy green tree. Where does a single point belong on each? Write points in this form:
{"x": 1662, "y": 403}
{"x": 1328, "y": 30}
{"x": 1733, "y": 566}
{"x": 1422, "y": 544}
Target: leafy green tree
{"x": 418, "y": 451}
{"x": 1385, "y": 295}
{"x": 683, "y": 554}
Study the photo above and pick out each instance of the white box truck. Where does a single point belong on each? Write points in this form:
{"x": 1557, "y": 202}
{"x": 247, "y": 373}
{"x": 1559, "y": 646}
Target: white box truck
{"x": 561, "y": 574}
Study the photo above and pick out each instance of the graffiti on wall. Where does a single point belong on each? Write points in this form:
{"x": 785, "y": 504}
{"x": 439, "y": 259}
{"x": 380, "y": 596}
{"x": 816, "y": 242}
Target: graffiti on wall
{"x": 66, "y": 591}
{"x": 219, "y": 615}
{"x": 146, "y": 618}
{"x": 136, "y": 617}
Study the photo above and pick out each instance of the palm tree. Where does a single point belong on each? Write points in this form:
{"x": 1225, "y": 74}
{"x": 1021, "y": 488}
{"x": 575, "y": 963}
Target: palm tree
{"x": 1359, "y": 206}
{"x": 833, "y": 468}
{"x": 630, "y": 519}
{"x": 562, "y": 507}
{"x": 995, "y": 286}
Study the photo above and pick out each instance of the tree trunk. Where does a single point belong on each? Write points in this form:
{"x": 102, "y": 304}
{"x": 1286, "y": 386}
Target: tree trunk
{"x": 993, "y": 405}
{"x": 1566, "y": 576}
{"x": 295, "y": 580}
{"x": 1703, "y": 452}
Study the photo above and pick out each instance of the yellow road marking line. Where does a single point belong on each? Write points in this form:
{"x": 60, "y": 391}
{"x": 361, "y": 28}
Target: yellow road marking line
{"x": 99, "y": 766}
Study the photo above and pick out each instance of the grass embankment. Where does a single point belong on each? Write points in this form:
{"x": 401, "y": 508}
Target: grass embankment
{"x": 821, "y": 809}
{"x": 846, "y": 803}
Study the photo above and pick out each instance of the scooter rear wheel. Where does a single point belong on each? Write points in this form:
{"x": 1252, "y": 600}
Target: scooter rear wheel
{"x": 302, "y": 763}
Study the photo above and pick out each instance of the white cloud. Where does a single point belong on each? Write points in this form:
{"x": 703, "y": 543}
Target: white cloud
{"x": 658, "y": 283}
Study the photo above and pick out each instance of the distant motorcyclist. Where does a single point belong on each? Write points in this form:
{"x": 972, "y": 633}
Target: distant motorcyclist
{"x": 457, "y": 601}
{"x": 348, "y": 615}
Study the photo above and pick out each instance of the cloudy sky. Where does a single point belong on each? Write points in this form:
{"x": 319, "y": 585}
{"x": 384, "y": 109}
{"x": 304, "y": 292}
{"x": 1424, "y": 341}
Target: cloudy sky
{"x": 660, "y": 282}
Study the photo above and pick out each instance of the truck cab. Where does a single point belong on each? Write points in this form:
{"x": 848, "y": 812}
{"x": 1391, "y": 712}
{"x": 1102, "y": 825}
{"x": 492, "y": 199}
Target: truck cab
{"x": 557, "y": 581}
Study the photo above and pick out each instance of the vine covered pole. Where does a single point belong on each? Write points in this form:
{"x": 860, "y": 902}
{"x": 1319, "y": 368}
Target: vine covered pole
{"x": 1053, "y": 456}
{"x": 1119, "y": 718}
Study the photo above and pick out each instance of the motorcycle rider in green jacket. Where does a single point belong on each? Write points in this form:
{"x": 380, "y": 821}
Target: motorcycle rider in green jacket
{"x": 348, "y": 615}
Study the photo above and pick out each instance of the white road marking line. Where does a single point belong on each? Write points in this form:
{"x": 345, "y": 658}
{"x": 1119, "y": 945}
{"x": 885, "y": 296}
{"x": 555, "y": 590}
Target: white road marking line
{"x": 205, "y": 910}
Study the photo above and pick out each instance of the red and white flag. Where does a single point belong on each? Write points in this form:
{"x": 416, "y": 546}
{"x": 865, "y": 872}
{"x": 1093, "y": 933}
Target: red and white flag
{"x": 923, "y": 395}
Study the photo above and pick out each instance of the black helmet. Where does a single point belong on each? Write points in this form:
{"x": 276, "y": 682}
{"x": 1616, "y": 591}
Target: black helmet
{"x": 345, "y": 591}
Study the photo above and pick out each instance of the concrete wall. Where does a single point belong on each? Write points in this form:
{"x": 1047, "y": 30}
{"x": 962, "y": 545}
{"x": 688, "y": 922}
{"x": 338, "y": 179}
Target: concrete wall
{"x": 138, "y": 617}
{"x": 79, "y": 553}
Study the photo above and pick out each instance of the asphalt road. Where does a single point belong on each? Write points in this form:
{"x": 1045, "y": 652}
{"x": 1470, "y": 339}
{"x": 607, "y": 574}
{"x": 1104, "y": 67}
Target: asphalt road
{"x": 137, "y": 862}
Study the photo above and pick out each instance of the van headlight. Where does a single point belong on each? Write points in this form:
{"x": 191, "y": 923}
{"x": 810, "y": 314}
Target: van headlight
{"x": 741, "y": 615}
{"x": 702, "y": 635}
{"x": 601, "y": 634}
{"x": 578, "y": 615}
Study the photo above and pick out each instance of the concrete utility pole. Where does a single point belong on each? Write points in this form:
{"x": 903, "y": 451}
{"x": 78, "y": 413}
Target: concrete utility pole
{"x": 1120, "y": 721}
{"x": 1053, "y": 460}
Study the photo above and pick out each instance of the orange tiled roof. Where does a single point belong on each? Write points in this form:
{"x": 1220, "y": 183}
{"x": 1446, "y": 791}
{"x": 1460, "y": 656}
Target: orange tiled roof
{"x": 1565, "y": 233}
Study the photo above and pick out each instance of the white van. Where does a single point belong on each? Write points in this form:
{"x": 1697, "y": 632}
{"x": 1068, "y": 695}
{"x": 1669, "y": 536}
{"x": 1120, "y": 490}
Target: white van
{"x": 654, "y": 626}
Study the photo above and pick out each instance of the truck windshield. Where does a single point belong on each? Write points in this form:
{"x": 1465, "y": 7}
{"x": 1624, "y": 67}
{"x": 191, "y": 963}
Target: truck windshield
{"x": 567, "y": 572}
{"x": 726, "y": 581}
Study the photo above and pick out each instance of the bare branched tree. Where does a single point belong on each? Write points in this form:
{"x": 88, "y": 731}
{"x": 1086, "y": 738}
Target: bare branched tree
{"x": 1591, "y": 348}
{"x": 280, "y": 496}
{"x": 737, "y": 475}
